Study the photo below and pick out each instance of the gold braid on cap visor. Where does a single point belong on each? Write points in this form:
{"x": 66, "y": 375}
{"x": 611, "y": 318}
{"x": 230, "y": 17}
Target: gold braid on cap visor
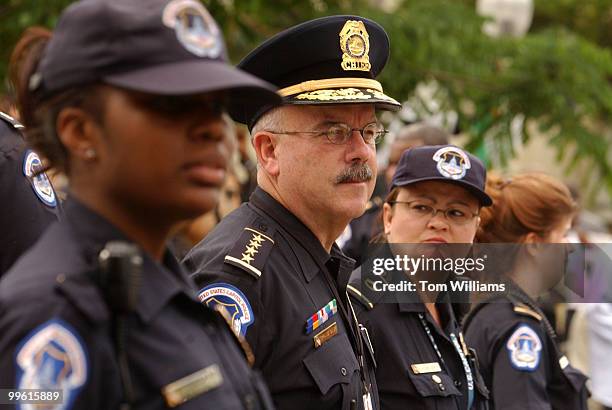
{"x": 343, "y": 82}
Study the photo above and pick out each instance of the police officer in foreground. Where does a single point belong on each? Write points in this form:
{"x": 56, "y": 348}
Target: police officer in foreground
{"x": 422, "y": 360}
{"x": 128, "y": 101}
{"x": 29, "y": 202}
{"x": 273, "y": 262}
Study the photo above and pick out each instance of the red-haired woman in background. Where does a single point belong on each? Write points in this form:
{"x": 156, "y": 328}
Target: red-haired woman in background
{"x": 518, "y": 355}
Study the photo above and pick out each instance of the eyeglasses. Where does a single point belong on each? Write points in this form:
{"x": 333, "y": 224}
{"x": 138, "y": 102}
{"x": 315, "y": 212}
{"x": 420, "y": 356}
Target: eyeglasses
{"x": 340, "y": 133}
{"x": 458, "y": 215}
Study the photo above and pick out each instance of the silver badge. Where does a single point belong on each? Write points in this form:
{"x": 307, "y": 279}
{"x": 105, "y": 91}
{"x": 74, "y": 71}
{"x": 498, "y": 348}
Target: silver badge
{"x": 195, "y": 28}
{"x": 452, "y": 162}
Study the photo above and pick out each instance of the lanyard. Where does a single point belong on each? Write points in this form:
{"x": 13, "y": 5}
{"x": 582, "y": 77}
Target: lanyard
{"x": 466, "y": 367}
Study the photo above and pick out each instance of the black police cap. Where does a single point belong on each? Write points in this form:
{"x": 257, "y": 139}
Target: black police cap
{"x": 446, "y": 163}
{"x": 169, "y": 47}
{"x": 330, "y": 60}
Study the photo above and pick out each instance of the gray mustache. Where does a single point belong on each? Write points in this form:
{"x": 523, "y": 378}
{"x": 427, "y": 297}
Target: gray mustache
{"x": 355, "y": 173}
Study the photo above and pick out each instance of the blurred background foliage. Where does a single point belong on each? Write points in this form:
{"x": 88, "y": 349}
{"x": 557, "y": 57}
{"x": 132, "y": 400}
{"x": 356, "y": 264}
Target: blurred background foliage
{"x": 554, "y": 83}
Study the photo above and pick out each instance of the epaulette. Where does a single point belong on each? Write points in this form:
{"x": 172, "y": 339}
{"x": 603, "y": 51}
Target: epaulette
{"x": 356, "y": 293}
{"x": 523, "y": 309}
{"x": 11, "y": 121}
{"x": 354, "y": 289}
{"x": 251, "y": 250}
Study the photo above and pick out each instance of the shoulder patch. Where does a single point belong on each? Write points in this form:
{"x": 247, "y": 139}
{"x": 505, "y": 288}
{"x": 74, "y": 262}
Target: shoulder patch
{"x": 40, "y": 183}
{"x": 524, "y": 348}
{"x": 527, "y": 311}
{"x": 52, "y": 356}
{"x": 11, "y": 121}
{"x": 233, "y": 300}
{"x": 251, "y": 251}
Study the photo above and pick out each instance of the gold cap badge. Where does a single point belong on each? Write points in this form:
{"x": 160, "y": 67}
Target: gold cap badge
{"x": 355, "y": 45}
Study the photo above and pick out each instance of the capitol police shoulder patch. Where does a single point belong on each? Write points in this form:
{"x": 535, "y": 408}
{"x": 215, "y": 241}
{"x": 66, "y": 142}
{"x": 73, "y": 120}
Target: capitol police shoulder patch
{"x": 233, "y": 300}
{"x": 52, "y": 357}
{"x": 524, "y": 348}
{"x": 32, "y": 165}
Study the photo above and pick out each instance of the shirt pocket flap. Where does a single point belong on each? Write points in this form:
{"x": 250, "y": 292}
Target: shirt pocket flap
{"x": 332, "y": 363}
{"x": 434, "y": 384}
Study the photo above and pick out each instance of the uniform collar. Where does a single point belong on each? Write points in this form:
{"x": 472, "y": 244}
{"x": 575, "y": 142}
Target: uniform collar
{"x": 160, "y": 281}
{"x": 302, "y": 235}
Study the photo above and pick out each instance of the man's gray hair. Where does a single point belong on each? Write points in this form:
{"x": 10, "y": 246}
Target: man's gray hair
{"x": 269, "y": 121}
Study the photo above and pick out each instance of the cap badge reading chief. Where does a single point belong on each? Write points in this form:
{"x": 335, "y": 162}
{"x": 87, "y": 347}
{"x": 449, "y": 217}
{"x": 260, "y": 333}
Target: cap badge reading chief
{"x": 195, "y": 28}
{"x": 452, "y": 162}
{"x": 355, "y": 46}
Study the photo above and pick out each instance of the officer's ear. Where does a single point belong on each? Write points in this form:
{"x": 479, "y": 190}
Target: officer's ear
{"x": 265, "y": 144}
{"x": 531, "y": 243}
{"x": 79, "y": 132}
{"x": 387, "y": 217}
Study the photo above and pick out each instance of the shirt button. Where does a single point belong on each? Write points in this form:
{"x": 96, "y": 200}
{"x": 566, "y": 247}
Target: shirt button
{"x": 441, "y": 386}
{"x": 458, "y": 384}
{"x": 343, "y": 371}
{"x": 263, "y": 227}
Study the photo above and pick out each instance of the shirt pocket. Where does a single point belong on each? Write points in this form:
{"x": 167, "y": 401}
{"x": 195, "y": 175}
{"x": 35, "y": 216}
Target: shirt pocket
{"x": 438, "y": 384}
{"x": 332, "y": 363}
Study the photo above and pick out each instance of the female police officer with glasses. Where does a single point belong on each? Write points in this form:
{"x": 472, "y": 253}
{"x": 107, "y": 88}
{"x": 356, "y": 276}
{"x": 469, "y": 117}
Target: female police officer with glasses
{"x": 422, "y": 360}
{"x": 127, "y": 101}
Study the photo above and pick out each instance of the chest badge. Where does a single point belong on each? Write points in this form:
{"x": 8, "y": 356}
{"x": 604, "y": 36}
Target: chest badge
{"x": 202, "y": 381}
{"x": 326, "y": 334}
{"x": 422, "y": 368}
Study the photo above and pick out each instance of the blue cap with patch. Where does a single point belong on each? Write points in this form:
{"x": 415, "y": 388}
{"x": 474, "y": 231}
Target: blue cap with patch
{"x": 164, "y": 47}
{"x": 329, "y": 60}
{"x": 446, "y": 163}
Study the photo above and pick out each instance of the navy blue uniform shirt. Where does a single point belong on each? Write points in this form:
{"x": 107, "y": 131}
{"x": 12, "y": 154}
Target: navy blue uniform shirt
{"x": 288, "y": 297}
{"x": 519, "y": 357}
{"x": 411, "y": 371}
{"x": 57, "y": 329}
